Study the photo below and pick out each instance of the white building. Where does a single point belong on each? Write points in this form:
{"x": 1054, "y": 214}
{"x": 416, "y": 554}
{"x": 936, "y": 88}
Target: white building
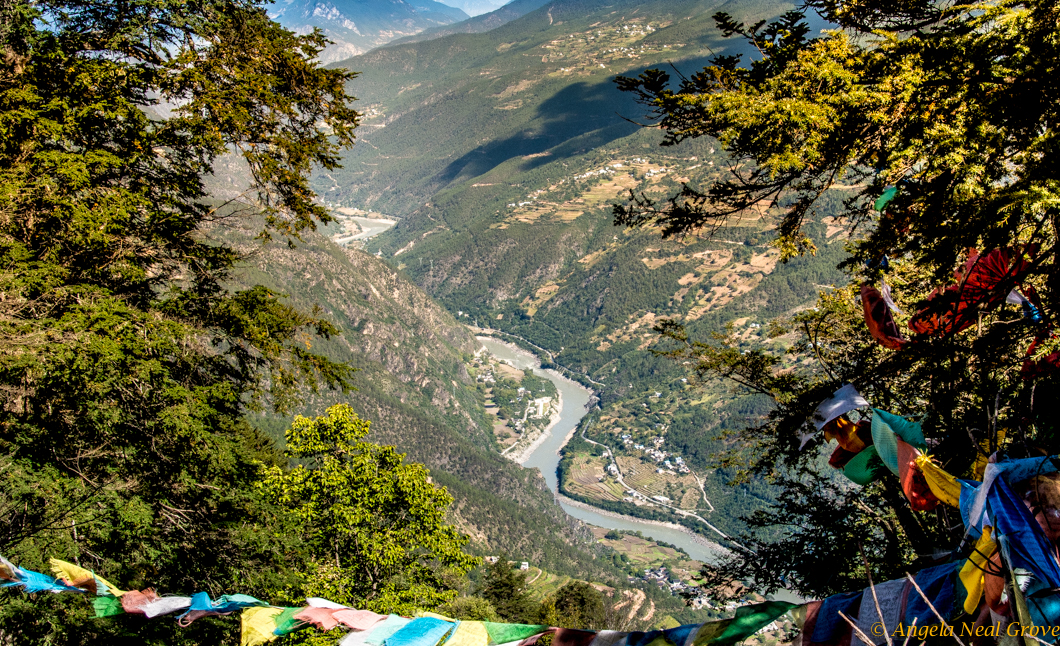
{"x": 542, "y": 404}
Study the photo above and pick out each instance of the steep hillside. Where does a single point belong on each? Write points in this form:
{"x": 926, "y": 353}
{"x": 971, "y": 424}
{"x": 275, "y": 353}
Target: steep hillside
{"x": 447, "y": 110}
{"x": 413, "y": 385}
{"x": 355, "y": 26}
{"x": 480, "y": 23}
{"x": 502, "y": 152}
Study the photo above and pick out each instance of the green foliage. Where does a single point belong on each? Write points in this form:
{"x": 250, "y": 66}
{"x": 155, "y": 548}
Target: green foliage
{"x": 576, "y": 605}
{"x": 505, "y": 589}
{"x": 126, "y": 363}
{"x": 912, "y": 94}
{"x": 374, "y": 525}
{"x": 470, "y": 609}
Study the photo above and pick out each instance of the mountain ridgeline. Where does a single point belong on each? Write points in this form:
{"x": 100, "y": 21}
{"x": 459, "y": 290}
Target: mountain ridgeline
{"x": 356, "y": 26}
{"x": 501, "y": 153}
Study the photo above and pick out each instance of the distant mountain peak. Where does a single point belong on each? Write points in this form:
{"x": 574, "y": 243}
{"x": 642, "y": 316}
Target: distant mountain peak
{"x": 356, "y": 26}
{"x": 476, "y": 7}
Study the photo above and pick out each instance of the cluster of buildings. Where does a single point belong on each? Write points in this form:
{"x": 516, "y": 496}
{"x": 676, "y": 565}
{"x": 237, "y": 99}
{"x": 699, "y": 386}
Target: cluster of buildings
{"x": 523, "y": 565}
{"x": 666, "y": 580}
{"x": 537, "y": 407}
{"x": 675, "y": 465}
{"x": 634, "y": 496}
{"x": 602, "y": 171}
{"x": 485, "y": 373}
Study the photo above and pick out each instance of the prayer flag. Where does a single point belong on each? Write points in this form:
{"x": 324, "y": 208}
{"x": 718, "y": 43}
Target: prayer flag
{"x": 469, "y": 633}
{"x": 107, "y": 606}
{"x": 830, "y": 626}
{"x": 841, "y": 402}
{"x": 135, "y": 602}
{"x": 914, "y": 484}
{"x": 972, "y": 573}
{"x": 381, "y": 632}
{"x": 944, "y": 486}
{"x": 504, "y": 633}
{"x": 862, "y": 468}
{"x": 421, "y": 631}
{"x": 749, "y": 620}
{"x": 258, "y": 626}
{"x": 885, "y": 198}
{"x": 287, "y": 622}
{"x": 79, "y": 577}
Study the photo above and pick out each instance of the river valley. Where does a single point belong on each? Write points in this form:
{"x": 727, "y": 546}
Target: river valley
{"x": 546, "y": 458}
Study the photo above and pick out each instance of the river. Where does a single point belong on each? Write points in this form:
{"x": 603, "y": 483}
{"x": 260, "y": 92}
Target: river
{"x": 370, "y": 227}
{"x": 546, "y": 456}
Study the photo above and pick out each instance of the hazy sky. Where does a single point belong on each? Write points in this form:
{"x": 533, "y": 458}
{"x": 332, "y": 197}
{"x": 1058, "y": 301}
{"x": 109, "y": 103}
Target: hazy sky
{"x": 475, "y": 7}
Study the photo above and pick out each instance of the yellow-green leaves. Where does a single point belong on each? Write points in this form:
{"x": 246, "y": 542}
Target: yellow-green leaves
{"x": 374, "y": 525}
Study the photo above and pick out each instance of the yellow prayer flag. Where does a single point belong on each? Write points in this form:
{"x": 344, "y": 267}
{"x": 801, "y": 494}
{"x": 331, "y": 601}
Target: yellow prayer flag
{"x": 979, "y": 467}
{"x": 434, "y": 615}
{"x": 469, "y": 633}
{"x": 972, "y": 572}
{"x": 259, "y": 626}
{"x": 79, "y": 577}
{"x": 943, "y": 485}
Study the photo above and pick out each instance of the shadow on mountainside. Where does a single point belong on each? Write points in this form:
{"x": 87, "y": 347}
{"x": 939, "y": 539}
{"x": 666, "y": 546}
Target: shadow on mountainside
{"x": 582, "y": 111}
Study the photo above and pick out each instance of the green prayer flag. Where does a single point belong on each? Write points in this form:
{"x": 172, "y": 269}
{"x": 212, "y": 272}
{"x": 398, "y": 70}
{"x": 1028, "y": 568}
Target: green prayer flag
{"x": 286, "y": 623}
{"x": 107, "y": 606}
{"x": 862, "y": 467}
{"x": 885, "y": 198}
{"x": 503, "y": 633}
{"x": 748, "y": 621}
{"x": 886, "y": 427}
{"x": 908, "y": 430}
{"x": 708, "y": 632}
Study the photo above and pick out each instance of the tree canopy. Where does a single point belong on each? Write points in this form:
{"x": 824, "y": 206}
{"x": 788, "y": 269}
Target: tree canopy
{"x": 126, "y": 360}
{"x": 376, "y": 523}
{"x": 936, "y": 123}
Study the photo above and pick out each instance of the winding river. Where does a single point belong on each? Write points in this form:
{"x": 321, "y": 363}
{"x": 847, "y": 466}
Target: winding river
{"x": 546, "y": 457}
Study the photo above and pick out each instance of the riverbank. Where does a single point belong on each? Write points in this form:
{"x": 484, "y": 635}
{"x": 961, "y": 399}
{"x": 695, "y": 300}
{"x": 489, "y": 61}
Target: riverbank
{"x": 577, "y": 399}
{"x": 696, "y": 538}
{"x": 536, "y": 361}
{"x": 522, "y": 454}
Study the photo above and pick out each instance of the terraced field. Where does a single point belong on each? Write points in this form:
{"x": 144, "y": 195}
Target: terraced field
{"x": 588, "y": 479}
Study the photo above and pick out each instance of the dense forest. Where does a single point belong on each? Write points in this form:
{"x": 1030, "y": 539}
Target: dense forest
{"x": 822, "y": 332}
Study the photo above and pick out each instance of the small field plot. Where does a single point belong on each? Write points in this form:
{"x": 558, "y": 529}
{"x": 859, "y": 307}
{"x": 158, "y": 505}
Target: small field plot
{"x": 645, "y": 553}
{"x": 544, "y": 583}
{"x": 587, "y": 479}
{"x": 643, "y": 476}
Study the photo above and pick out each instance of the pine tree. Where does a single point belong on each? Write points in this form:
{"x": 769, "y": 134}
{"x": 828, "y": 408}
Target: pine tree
{"x": 936, "y": 124}
{"x": 126, "y": 362}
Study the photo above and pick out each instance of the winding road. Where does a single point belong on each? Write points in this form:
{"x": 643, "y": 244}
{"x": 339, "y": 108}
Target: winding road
{"x": 546, "y": 458}
{"x": 611, "y": 454}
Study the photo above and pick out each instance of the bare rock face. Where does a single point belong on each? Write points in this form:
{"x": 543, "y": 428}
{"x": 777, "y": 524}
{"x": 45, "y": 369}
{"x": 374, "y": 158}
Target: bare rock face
{"x": 356, "y": 26}
{"x": 476, "y": 7}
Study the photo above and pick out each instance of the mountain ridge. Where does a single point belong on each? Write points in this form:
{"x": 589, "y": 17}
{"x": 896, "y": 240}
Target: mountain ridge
{"x": 501, "y": 154}
{"x": 356, "y": 26}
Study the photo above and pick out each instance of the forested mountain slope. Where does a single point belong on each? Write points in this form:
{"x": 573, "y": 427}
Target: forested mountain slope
{"x": 446, "y": 110}
{"x": 501, "y": 153}
{"x": 413, "y": 386}
{"x": 480, "y": 22}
